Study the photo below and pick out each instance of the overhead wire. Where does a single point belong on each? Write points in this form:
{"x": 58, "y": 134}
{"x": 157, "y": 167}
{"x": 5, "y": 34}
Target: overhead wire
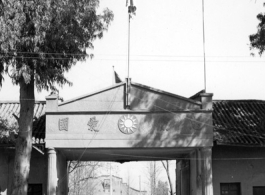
{"x": 147, "y": 55}
{"x": 90, "y": 56}
{"x": 159, "y": 157}
{"x": 203, "y": 123}
{"x": 180, "y": 158}
{"x": 96, "y": 132}
{"x": 143, "y": 60}
{"x": 191, "y": 119}
{"x": 174, "y": 112}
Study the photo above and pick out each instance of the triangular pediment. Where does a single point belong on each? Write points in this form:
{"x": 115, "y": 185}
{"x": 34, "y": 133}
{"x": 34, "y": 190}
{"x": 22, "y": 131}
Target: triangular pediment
{"x": 140, "y": 98}
{"x": 146, "y": 98}
{"x": 110, "y": 98}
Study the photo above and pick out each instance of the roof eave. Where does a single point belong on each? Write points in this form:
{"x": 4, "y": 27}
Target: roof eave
{"x": 239, "y": 145}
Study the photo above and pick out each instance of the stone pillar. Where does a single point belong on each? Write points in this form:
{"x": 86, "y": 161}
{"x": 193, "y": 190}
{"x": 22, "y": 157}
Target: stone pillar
{"x": 199, "y": 163}
{"x": 52, "y": 103}
{"x": 178, "y": 177}
{"x": 193, "y": 173}
{"x": 206, "y": 100}
{"x": 52, "y": 172}
{"x": 207, "y": 171}
{"x": 62, "y": 174}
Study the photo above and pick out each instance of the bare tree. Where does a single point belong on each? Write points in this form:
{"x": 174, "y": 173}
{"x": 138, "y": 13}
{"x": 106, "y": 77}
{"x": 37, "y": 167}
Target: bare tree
{"x": 166, "y": 165}
{"x": 153, "y": 174}
{"x": 81, "y": 177}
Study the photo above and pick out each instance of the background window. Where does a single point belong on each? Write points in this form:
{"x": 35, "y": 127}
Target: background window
{"x": 106, "y": 184}
{"x": 230, "y": 188}
{"x": 34, "y": 189}
{"x": 258, "y": 190}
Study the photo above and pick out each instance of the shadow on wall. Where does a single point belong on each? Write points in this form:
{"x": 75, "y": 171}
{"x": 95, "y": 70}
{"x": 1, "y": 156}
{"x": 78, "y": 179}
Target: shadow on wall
{"x": 172, "y": 121}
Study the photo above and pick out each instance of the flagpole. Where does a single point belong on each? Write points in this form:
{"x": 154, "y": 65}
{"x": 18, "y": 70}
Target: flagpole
{"x": 131, "y": 10}
{"x": 129, "y": 29}
{"x": 204, "y": 46}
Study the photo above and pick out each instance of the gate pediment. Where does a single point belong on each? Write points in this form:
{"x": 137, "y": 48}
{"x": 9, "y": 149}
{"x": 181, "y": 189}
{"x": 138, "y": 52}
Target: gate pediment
{"x": 128, "y": 115}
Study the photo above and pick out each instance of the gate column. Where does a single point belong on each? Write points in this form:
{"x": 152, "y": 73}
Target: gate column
{"x": 52, "y": 172}
{"x": 207, "y": 171}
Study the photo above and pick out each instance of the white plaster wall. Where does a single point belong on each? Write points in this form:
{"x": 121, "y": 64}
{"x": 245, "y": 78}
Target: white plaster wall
{"x": 238, "y": 164}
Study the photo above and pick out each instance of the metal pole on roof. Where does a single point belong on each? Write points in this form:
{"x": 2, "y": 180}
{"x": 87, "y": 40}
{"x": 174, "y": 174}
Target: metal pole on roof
{"x": 204, "y": 45}
{"x": 129, "y": 18}
{"x": 131, "y": 11}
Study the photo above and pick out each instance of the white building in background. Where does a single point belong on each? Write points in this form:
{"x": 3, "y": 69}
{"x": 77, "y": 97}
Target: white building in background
{"x": 102, "y": 185}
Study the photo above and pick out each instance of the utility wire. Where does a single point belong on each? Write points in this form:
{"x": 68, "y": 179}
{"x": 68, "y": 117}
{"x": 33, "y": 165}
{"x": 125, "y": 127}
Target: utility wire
{"x": 142, "y": 60}
{"x": 175, "y": 158}
{"x": 100, "y": 125}
{"x": 94, "y": 135}
{"x": 188, "y": 118}
{"x": 41, "y": 53}
{"x": 146, "y": 55}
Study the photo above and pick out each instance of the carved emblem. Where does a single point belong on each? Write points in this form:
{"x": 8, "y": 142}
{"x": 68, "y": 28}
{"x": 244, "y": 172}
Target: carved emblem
{"x": 63, "y": 124}
{"x": 128, "y": 124}
{"x": 92, "y": 124}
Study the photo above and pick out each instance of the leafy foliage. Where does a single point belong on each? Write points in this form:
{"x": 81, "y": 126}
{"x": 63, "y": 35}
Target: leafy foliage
{"x": 39, "y": 41}
{"x": 257, "y": 41}
{"x": 8, "y": 131}
{"x": 43, "y": 39}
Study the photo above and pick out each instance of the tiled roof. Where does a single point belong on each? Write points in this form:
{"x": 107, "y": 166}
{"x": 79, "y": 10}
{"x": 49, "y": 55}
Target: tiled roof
{"x": 8, "y": 112}
{"x": 239, "y": 122}
{"x": 236, "y": 122}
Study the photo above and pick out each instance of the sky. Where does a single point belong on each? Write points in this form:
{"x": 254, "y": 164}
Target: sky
{"x": 166, "y": 50}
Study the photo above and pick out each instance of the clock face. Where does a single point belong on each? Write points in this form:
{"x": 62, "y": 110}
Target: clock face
{"x": 128, "y": 124}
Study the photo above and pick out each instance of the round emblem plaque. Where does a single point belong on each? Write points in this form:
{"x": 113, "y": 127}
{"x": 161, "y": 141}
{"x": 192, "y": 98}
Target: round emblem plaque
{"x": 128, "y": 124}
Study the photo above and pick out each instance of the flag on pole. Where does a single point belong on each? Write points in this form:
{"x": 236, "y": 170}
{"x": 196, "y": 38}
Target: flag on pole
{"x": 131, "y": 8}
{"x": 117, "y": 78}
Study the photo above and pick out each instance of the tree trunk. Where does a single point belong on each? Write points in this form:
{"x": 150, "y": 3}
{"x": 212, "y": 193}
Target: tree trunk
{"x": 155, "y": 178}
{"x": 24, "y": 140}
{"x": 166, "y": 166}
